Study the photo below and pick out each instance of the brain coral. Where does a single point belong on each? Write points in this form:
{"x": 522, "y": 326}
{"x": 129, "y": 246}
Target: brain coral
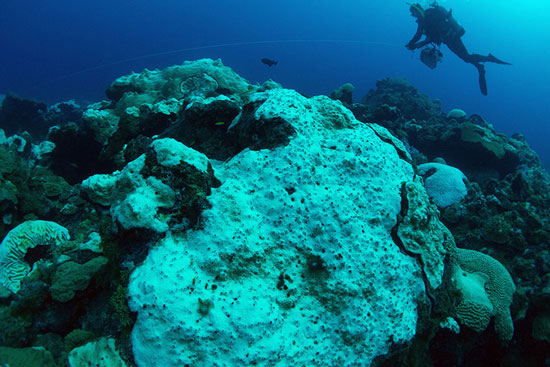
{"x": 474, "y": 309}
{"x": 456, "y": 113}
{"x": 445, "y": 184}
{"x": 13, "y": 248}
{"x": 486, "y": 290}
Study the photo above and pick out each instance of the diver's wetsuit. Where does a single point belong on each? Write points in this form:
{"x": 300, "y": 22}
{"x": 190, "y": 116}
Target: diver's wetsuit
{"x": 439, "y": 26}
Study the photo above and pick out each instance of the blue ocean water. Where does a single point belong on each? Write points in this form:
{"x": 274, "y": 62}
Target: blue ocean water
{"x": 60, "y": 50}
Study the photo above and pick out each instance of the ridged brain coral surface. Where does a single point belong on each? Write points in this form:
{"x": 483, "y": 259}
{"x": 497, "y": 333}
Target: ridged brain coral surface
{"x": 29, "y": 234}
{"x": 476, "y": 316}
{"x": 474, "y": 308}
{"x": 295, "y": 264}
{"x": 499, "y": 287}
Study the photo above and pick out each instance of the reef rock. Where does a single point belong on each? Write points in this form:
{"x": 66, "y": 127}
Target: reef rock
{"x": 344, "y": 94}
{"x": 71, "y": 277}
{"x": 19, "y": 357}
{"x": 401, "y": 95}
{"x": 467, "y": 143}
{"x": 169, "y": 177}
{"x": 100, "y": 353}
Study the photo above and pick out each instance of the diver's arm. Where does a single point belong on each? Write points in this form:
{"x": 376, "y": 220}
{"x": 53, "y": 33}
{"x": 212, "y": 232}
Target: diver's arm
{"x": 422, "y": 43}
{"x": 414, "y": 46}
{"x": 412, "y": 43}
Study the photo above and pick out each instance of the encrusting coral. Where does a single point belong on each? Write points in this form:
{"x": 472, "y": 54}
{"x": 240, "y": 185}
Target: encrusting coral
{"x": 13, "y": 248}
{"x": 419, "y": 225}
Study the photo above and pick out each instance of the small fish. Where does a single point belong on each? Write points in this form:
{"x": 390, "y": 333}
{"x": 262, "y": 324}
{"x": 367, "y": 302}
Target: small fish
{"x": 251, "y": 89}
{"x": 219, "y": 123}
{"x": 245, "y": 96}
{"x": 269, "y": 62}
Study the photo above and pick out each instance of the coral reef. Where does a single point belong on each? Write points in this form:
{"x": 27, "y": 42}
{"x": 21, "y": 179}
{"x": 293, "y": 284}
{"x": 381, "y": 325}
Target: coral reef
{"x": 503, "y": 213}
{"x": 18, "y": 115}
{"x": 214, "y": 222}
{"x": 344, "y": 94}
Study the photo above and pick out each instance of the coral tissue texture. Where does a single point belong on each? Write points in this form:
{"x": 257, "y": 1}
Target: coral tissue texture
{"x": 487, "y": 289}
{"x": 294, "y": 263}
{"x": 13, "y": 248}
{"x": 445, "y": 184}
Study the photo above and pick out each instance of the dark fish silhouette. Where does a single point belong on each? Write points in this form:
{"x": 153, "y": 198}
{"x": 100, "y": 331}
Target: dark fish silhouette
{"x": 269, "y": 62}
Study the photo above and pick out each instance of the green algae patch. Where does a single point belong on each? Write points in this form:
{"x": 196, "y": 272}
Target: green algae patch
{"x": 25, "y": 357}
{"x": 71, "y": 277}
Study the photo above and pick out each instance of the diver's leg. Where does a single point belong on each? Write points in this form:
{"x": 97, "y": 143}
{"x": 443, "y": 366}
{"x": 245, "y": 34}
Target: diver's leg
{"x": 458, "y": 48}
{"x": 491, "y": 58}
{"x": 477, "y": 58}
{"x": 482, "y": 81}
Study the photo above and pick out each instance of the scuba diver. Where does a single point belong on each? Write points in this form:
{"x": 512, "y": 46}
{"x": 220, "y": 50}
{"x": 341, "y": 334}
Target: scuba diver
{"x": 439, "y": 26}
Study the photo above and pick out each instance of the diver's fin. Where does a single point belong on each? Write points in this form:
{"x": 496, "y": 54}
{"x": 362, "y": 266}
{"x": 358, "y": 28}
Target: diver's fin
{"x": 492, "y": 58}
{"x": 482, "y": 81}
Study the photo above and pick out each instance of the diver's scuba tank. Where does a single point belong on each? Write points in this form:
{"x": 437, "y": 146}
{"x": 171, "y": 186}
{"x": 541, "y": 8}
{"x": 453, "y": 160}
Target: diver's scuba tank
{"x": 457, "y": 30}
